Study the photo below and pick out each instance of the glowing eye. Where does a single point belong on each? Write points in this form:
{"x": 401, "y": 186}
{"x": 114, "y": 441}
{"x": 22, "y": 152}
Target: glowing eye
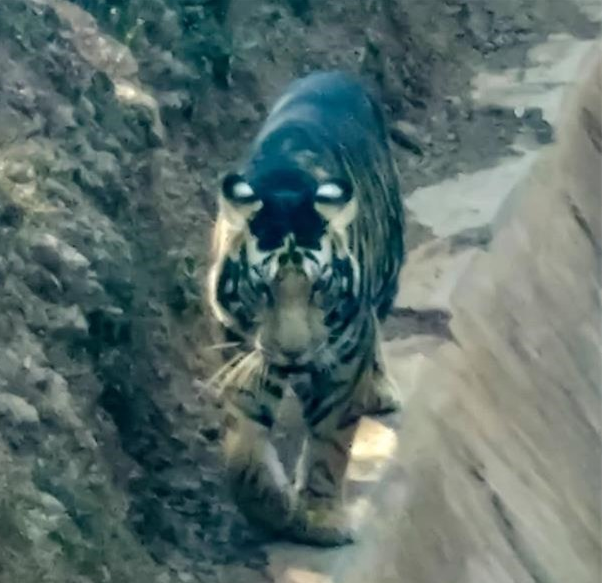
{"x": 237, "y": 189}
{"x": 335, "y": 192}
{"x": 330, "y": 190}
{"x": 242, "y": 190}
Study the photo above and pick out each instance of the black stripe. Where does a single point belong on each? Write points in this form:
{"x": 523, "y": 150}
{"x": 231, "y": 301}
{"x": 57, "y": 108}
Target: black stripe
{"x": 283, "y": 370}
{"x": 311, "y": 407}
{"x": 325, "y": 471}
{"x": 315, "y": 494}
{"x": 347, "y": 353}
{"x": 242, "y": 475}
{"x": 244, "y": 320}
{"x": 331, "y": 317}
{"x": 230, "y": 272}
{"x": 274, "y": 390}
{"x": 303, "y": 388}
{"x": 263, "y": 417}
{"x": 231, "y": 421}
{"x": 311, "y": 257}
{"x": 323, "y": 285}
{"x": 333, "y": 443}
{"x": 345, "y": 317}
{"x": 255, "y": 280}
{"x": 348, "y": 421}
{"x": 279, "y": 372}
{"x": 348, "y": 356}
{"x": 244, "y": 261}
{"x": 253, "y": 480}
{"x": 323, "y": 412}
{"x": 245, "y": 394}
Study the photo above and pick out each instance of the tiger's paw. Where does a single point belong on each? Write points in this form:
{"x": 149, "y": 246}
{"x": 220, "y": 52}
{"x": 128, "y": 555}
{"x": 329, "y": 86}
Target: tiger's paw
{"x": 323, "y": 525}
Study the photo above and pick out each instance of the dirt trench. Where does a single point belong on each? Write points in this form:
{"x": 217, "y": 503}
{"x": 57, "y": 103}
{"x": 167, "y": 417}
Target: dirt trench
{"x": 115, "y": 125}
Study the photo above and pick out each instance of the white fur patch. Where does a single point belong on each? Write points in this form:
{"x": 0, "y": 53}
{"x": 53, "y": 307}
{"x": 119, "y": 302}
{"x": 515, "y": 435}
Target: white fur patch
{"x": 256, "y": 257}
{"x": 311, "y": 269}
{"x": 269, "y": 459}
{"x": 243, "y": 190}
{"x": 344, "y": 218}
{"x": 323, "y": 256}
{"x": 330, "y": 190}
{"x": 339, "y": 217}
{"x": 220, "y": 314}
{"x": 237, "y": 215}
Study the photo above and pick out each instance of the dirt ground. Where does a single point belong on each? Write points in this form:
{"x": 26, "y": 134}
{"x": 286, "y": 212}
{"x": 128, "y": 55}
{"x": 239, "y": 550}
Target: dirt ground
{"x": 115, "y": 125}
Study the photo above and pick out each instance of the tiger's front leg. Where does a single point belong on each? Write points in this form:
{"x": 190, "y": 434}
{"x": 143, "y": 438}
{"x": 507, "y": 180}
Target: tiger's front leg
{"x": 257, "y": 478}
{"x": 332, "y": 417}
{"x": 321, "y": 516}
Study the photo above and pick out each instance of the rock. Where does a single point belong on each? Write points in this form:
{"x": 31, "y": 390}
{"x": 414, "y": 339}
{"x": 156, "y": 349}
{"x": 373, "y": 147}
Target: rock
{"x": 68, "y": 323}
{"x": 533, "y": 117}
{"x": 11, "y": 216}
{"x": 18, "y": 410}
{"x": 58, "y": 256}
{"x": 20, "y": 172}
{"x": 3, "y": 270}
{"x": 407, "y": 136}
{"x": 44, "y": 284}
{"x": 57, "y": 402}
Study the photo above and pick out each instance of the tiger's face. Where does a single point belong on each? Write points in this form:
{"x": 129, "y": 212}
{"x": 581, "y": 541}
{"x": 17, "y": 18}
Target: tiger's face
{"x": 288, "y": 261}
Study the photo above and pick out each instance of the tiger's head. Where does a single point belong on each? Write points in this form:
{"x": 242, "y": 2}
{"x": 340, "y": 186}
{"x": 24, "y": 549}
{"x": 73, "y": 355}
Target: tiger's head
{"x": 283, "y": 260}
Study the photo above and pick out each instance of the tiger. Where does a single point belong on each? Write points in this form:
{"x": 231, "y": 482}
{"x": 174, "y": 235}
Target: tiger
{"x": 307, "y": 250}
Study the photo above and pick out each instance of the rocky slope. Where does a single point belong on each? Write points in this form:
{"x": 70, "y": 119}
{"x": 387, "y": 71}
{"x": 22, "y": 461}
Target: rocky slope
{"x": 114, "y": 128}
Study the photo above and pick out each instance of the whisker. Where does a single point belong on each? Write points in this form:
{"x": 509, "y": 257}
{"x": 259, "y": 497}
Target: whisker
{"x": 221, "y": 345}
{"x": 239, "y": 374}
{"x": 215, "y": 378}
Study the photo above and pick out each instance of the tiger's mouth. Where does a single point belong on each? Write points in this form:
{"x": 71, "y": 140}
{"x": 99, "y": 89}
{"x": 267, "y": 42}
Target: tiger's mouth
{"x": 293, "y": 361}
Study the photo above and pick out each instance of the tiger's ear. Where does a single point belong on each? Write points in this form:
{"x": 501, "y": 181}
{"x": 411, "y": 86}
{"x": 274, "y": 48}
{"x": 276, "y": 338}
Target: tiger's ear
{"x": 335, "y": 201}
{"x": 238, "y": 201}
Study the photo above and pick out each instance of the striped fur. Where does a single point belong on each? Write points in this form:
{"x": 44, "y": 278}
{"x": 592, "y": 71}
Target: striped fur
{"x": 308, "y": 247}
